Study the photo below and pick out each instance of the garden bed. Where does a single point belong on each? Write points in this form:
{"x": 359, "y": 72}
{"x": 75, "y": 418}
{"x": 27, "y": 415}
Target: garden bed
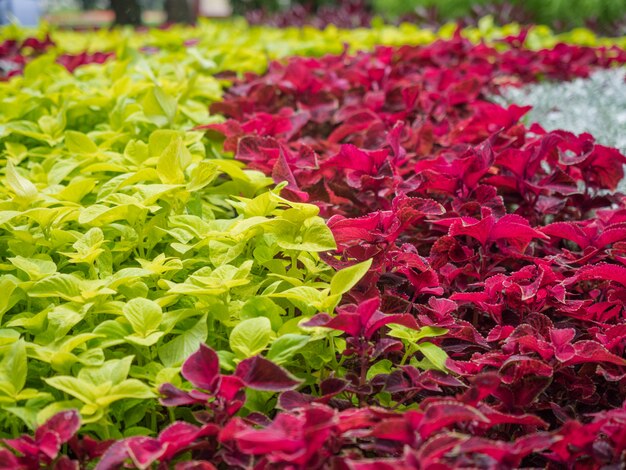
{"x": 356, "y": 259}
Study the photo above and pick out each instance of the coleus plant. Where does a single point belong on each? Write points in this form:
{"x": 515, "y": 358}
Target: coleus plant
{"x": 15, "y": 54}
{"x": 127, "y": 244}
{"x": 445, "y": 433}
{"x": 506, "y": 240}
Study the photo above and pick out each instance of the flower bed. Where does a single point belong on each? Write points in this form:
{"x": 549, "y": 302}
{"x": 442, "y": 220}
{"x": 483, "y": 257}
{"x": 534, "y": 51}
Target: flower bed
{"x": 392, "y": 272}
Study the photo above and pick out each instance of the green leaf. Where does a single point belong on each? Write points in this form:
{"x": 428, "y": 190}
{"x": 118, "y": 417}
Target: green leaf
{"x": 131, "y": 388}
{"x": 24, "y": 190}
{"x": 7, "y": 216}
{"x": 172, "y": 162}
{"x": 87, "y": 247}
{"x": 7, "y": 287}
{"x": 228, "y": 360}
{"x": 73, "y": 386}
{"x": 306, "y": 298}
{"x": 114, "y": 371}
{"x": 8, "y": 336}
{"x": 284, "y": 347}
{"x": 61, "y": 320}
{"x": 382, "y": 366}
{"x": 159, "y": 107}
{"x": 65, "y": 286}
{"x": 141, "y": 340}
{"x": 250, "y": 337}
{"x": 403, "y": 332}
{"x": 16, "y": 151}
{"x": 174, "y": 352}
{"x": 13, "y": 367}
{"x": 347, "y": 278}
{"x": 435, "y": 355}
{"x": 160, "y": 139}
{"x": 100, "y": 215}
{"x": 144, "y": 316}
{"x": 312, "y": 235}
{"x": 263, "y": 307}
{"x": 202, "y": 175}
{"x": 77, "y": 142}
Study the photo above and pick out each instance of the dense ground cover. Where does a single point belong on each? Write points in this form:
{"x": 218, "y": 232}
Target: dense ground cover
{"x": 487, "y": 328}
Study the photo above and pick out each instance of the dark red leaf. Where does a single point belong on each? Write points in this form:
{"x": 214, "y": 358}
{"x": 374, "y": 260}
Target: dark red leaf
{"x": 260, "y": 374}
{"x": 202, "y": 368}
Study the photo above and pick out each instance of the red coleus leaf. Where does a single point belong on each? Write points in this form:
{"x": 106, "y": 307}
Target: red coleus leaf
{"x": 64, "y": 424}
{"x": 496, "y": 417}
{"x": 114, "y": 457}
{"x": 517, "y": 367}
{"x": 8, "y": 461}
{"x": 50, "y": 436}
{"x": 395, "y": 429}
{"x": 260, "y": 374}
{"x": 591, "y": 351}
{"x": 561, "y": 340}
{"x": 142, "y": 451}
{"x": 513, "y": 228}
{"x": 290, "y": 438}
{"x": 602, "y": 271}
{"x": 179, "y": 435}
{"x": 352, "y": 158}
{"x": 569, "y": 231}
{"x": 202, "y": 368}
{"x": 25, "y": 445}
{"x": 172, "y": 396}
{"x": 282, "y": 172}
{"x": 362, "y": 320}
{"x": 442, "y": 413}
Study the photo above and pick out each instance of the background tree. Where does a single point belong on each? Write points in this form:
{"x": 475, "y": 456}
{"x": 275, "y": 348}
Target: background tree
{"x": 179, "y": 11}
{"x": 88, "y": 4}
{"x": 127, "y": 12}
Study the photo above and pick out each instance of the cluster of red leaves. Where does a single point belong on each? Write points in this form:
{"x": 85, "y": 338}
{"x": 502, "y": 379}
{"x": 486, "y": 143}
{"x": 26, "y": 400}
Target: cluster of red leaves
{"x": 447, "y": 432}
{"x": 510, "y": 237}
{"x": 14, "y": 55}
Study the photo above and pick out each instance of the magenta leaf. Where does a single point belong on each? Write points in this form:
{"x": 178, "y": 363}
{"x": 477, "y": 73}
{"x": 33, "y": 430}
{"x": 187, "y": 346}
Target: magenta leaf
{"x": 591, "y": 351}
{"x": 517, "y": 367}
{"x": 179, "y": 435}
{"x": 260, "y": 374}
{"x": 8, "y": 461}
{"x": 64, "y": 424}
{"x": 172, "y": 396}
{"x": 144, "y": 451}
{"x": 114, "y": 456}
{"x": 202, "y": 368}
{"x": 443, "y": 413}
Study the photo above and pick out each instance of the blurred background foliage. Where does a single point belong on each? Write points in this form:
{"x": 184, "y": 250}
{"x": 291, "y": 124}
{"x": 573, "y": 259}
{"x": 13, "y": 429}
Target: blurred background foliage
{"x": 562, "y": 14}
{"x": 604, "y": 16}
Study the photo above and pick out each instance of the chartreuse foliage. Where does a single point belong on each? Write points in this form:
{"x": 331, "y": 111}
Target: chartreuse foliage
{"x": 125, "y": 248}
